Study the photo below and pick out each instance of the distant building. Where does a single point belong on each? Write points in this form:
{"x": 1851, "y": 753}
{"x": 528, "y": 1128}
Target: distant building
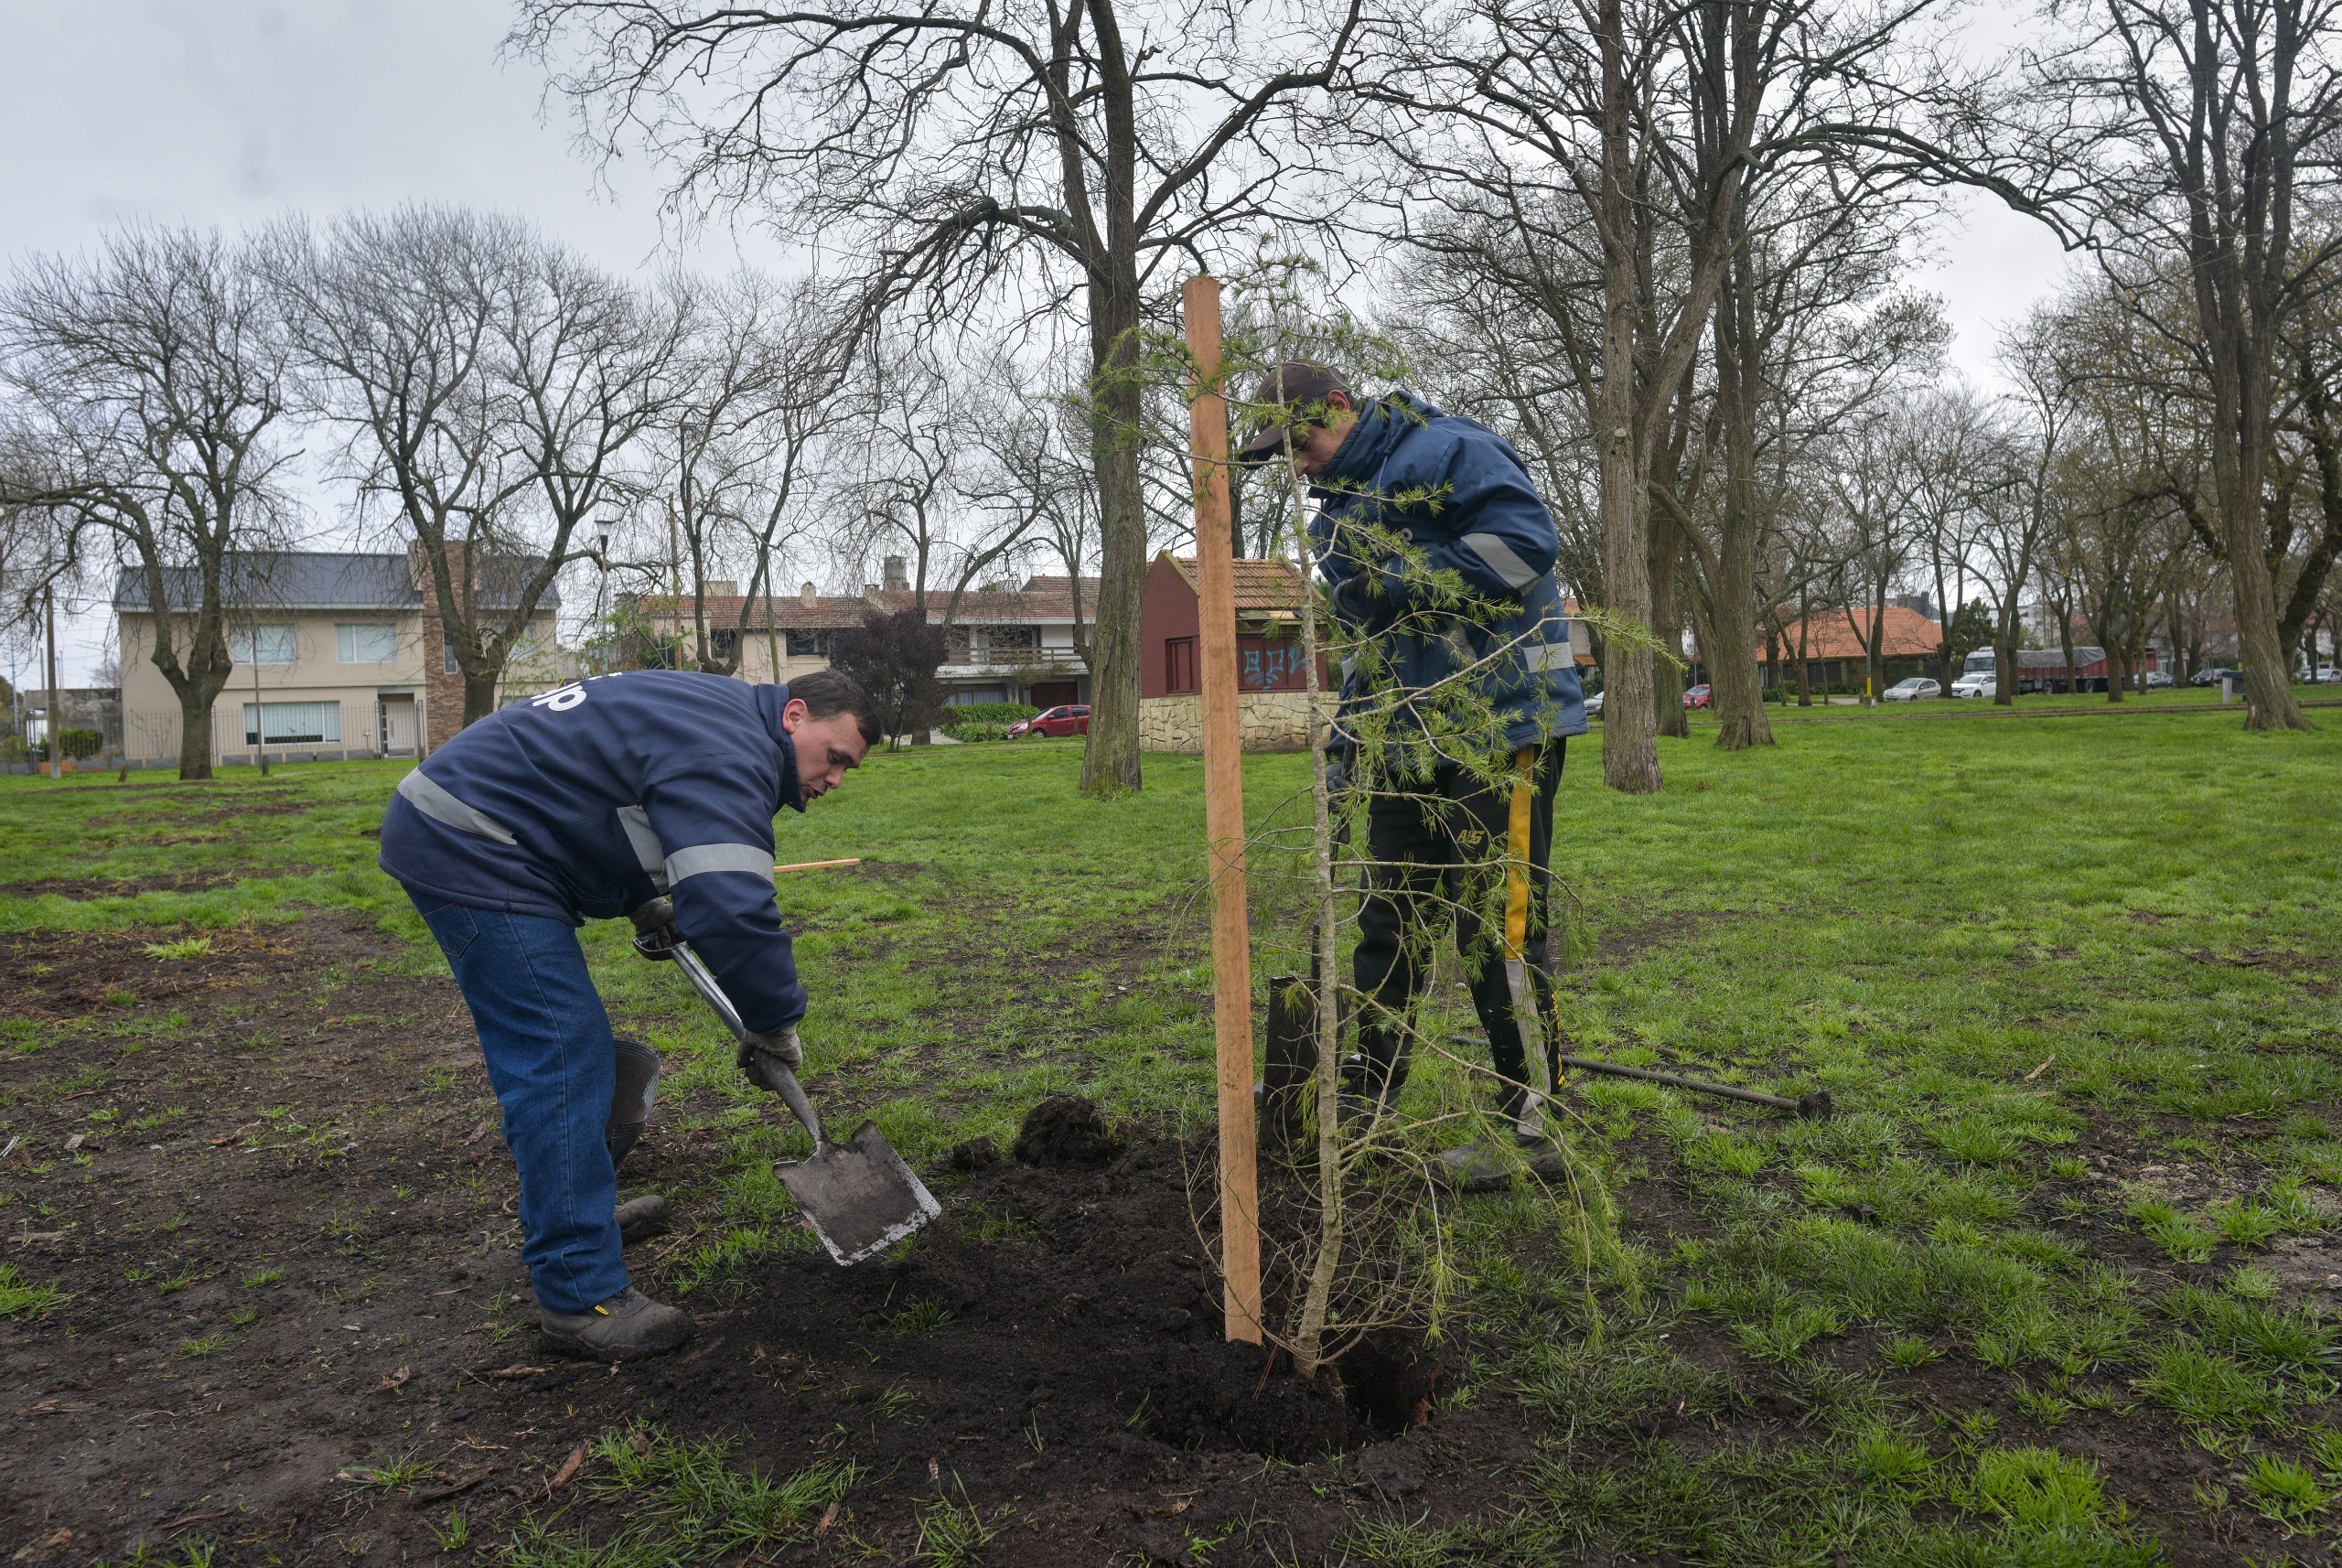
{"x": 338, "y": 654}
{"x": 1003, "y": 645}
{"x": 1272, "y": 676}
{"x": 1910, "y": 644}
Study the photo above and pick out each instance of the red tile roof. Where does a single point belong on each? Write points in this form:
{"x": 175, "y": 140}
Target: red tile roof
{"x": 1262, "y": 587}
{"x": 1905, "y": 633}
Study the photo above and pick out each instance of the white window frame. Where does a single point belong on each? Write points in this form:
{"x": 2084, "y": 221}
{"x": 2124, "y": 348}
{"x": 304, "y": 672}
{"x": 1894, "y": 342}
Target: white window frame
{"x": 260, "y": 644}
{"x": 290, "y": 723}
{"x": 347, "y": 646}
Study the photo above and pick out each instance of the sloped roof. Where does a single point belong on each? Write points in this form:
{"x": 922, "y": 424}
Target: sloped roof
{"x": 1262, "y": 587}
{"x": 318, "y": 580}
{"x": 1051, "y": 601}
{"x": 1904, "y": 633}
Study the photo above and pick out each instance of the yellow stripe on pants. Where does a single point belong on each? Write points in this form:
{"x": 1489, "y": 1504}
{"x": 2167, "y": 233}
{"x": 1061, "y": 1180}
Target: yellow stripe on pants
{"x": 1516, "y": 916}
{"x": 1515, "y": 876}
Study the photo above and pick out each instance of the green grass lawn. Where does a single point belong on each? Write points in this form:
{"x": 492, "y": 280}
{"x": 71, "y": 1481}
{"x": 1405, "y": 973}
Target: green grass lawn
{"x": 2076, "y": 987}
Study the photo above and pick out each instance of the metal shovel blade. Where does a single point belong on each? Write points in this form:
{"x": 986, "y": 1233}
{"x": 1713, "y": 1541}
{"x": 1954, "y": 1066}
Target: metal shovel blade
{"x": 858, "y": 1196}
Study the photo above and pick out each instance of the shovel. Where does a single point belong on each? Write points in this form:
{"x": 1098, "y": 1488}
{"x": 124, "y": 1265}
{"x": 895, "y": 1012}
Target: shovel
{"x": 858, "y": 1196}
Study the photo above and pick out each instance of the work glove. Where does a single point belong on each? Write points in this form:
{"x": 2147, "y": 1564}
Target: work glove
{"x": 781, "y": 1046}
{"x": 654, "y": 929}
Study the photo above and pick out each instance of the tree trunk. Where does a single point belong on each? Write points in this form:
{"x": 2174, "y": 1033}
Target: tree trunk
{"x": 480, "y": 696}
{"x": 196, "y": 697}
{"x": 1732, "y": 610}
{"x": 1668, "y": 712}
{"x": 1110, "y": 760}
{"x": 1804, "y": 668}
{"x": 1629, "y": 732}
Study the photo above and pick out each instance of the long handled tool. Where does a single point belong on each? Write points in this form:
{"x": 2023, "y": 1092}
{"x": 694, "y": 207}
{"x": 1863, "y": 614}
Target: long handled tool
{"x": 858, "y": 1196}
{"x": 1817, "y": 1103}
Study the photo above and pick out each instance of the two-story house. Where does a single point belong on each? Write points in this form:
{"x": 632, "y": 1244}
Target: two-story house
{"x": 337, "y": 654}
{"x": 1002, "y": 644}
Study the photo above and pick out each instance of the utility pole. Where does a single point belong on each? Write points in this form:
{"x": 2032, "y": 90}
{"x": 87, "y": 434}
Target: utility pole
{"x": 260, "y": 716}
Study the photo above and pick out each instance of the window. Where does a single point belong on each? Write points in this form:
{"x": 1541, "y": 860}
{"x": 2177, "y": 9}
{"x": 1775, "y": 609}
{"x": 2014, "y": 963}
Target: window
{"x": 292, "y": 723}
{"x": 1012, "y": 639}
{"x": 366, "y": 644}
{"x": 447, "y": 657}
{"x": 263, "y": 644}
{"x": 723, "y": 643}
{"x": 808, "y": 644}
{"x": 1180, "y": 666}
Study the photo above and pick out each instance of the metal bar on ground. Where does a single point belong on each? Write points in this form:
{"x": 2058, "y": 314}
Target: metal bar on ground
{"x": 1232, "y": 957}
{"x": 1817, "y": 1103}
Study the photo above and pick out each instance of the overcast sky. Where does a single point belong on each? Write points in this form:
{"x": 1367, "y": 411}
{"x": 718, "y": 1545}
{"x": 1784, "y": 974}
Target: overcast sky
{"x": 229, "y": 112}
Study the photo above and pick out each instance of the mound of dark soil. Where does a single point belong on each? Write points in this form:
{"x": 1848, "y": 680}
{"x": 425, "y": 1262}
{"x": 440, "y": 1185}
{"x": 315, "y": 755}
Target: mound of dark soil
{"x": 1066, "y": 1130}
{"x": 1052, "y": 1310}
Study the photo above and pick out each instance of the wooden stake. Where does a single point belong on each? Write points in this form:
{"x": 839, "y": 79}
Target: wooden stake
{"x": 1231, "y": 956}
{"x": 816, "y": 865}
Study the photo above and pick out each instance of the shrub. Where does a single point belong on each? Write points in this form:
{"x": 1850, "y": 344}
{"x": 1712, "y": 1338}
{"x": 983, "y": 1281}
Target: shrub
{"x": 79, "y": 744}
{"x": 1002, "y": 714}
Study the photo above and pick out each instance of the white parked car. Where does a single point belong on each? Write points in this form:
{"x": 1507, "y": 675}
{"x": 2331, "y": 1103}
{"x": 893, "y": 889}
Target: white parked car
{"x": 1911, "y": 691}
{"x": 1594, "y": 706}
{"x": 2160, "y": 680}
{"x": 1976, "y": 685}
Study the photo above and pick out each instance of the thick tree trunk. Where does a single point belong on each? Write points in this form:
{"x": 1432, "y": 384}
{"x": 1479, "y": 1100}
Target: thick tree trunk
{"x": 196, "y": 697}
{"x": 1629, "y": 735}
{"x": 1110, "y": 760}
{"x": 1732, "y": 662}
{"x": 479, "y": 695}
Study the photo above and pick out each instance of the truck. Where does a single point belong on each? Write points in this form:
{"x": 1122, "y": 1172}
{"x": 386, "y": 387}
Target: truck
{"x": 2044, "y": 668}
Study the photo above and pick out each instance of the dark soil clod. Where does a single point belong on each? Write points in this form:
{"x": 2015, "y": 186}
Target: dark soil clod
{"x": 973, "y": 1155}
{"x": 1066, "y": 1130}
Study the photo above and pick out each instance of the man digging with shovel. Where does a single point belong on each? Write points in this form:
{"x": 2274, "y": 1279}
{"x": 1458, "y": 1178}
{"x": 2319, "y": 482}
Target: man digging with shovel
{"x": 647, "y": 793}
{"x": 1391, "y": 473}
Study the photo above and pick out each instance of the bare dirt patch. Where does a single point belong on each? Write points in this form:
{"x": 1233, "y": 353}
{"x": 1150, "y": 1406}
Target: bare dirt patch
{"x": 282, "y": 1234}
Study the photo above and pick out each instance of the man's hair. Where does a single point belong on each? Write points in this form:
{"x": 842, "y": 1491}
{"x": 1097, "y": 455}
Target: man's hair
{"x": 825, "y": 692}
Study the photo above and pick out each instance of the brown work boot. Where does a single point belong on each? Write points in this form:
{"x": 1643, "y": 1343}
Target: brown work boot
{"x": 626, "y": 1328}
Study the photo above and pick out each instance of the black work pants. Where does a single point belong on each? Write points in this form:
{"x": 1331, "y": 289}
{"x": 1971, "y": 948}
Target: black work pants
{"x": 1441, "y": 854}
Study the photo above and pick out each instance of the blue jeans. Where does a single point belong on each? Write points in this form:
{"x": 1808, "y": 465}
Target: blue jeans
{"x": 550, "y": 1059}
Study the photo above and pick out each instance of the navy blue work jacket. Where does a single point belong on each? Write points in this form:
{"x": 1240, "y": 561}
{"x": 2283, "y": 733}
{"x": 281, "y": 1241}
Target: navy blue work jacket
{"x": 1456, "y": 490}
{"x": 588, "y": 802}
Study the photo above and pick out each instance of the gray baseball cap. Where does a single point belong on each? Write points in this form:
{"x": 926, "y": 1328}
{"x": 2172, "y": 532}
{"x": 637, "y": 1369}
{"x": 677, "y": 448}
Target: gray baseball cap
{"x": 1300, "y": 390}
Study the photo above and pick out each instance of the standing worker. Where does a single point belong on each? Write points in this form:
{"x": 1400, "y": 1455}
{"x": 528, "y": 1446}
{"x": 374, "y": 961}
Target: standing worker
{"x": 1396, "y": 479}
{"x": 647, "y": 793}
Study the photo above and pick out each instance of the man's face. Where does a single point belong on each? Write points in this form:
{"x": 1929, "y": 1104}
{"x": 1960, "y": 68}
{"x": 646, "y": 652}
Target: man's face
{"x": 825, "y": 747}
{"x": 1315, "y": 447}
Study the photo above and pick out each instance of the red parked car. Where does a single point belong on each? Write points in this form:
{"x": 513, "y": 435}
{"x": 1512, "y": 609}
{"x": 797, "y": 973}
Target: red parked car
{"x": 1071, "y": 719}
{"x": 1699, "y": 696}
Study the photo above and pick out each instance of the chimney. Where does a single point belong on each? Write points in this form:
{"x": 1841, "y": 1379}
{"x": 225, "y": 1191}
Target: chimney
{"x": 898, "y": 580}
{"x": 805, "y": 596}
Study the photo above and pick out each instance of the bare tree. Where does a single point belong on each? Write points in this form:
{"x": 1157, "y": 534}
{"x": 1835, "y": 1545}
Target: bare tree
{"x": 2202, "y": 126}
{"x": 752, "y": 401}
{"x": 148, "y": 390}
{"x": 957, "y": 139}
{"x": 1876, "y": 472}
{"x": 461, "y": 355}
{"x": 2017, "y": 488}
